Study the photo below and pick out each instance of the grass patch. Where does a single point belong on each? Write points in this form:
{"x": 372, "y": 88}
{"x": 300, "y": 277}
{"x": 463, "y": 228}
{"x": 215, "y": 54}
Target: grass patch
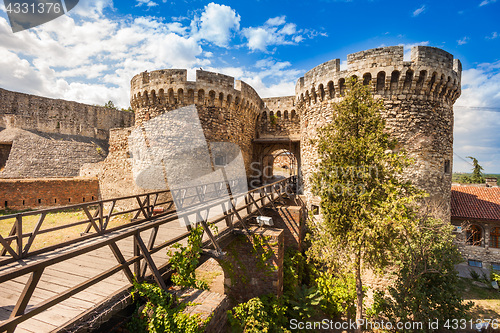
{"x": 55, "y": 220}
{"x": 486, "y": 300}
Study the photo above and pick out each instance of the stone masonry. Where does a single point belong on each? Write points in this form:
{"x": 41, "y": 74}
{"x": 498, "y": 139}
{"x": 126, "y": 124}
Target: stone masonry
{"x": 418, "y": 96}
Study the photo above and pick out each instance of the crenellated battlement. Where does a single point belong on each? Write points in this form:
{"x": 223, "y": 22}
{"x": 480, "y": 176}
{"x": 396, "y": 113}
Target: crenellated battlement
{"x": 168, "y": 89}
{"x": 432, "y": 74}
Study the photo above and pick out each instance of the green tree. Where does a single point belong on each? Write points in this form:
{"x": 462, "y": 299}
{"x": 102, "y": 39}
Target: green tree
{"x": 365, "y": 203}
{"x": 427, "y": 284}
{"x": 477, "y": 176}
{"x": 110, "y": 105}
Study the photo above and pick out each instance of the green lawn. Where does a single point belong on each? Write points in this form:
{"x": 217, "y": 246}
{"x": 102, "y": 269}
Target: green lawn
{"x": 456, "y": 176}
{"x": 54, "y": 220}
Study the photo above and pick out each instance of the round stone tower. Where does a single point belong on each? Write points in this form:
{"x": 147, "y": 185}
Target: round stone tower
{"x": 418, "y": 97}
{"x": 228, "y": 109}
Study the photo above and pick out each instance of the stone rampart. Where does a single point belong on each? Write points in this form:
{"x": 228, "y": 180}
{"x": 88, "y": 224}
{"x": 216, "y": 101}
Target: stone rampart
{"x": 279, "y": 117}
{"x": 418, "y": 96}
{"x": 35, "y": 113}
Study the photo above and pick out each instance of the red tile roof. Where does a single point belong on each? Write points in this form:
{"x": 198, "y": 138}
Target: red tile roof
{"x": 473, "y": 202}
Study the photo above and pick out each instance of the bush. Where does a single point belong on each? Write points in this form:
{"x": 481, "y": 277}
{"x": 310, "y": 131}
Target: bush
{"x": 259, "y": 314}
{"x": 339, "y": 294}
{"x": 161, "y": 314}
{"x": 427, "y": 286}
{"x": 185, "y": 261}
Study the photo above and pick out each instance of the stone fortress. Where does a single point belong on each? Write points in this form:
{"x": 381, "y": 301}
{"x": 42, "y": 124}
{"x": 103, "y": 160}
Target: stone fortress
{"x": 418, "y": 95}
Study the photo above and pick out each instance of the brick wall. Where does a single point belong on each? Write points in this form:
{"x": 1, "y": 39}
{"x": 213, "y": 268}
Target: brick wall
{"x": 244, "y": 276}
{"x": 38, "y": 193}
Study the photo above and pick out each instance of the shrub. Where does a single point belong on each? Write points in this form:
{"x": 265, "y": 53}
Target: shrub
{"x": 259, "y": 314}
{"x": 161, "y": 314}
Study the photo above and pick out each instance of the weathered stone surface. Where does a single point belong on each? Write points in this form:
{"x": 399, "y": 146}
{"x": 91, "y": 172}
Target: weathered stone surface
{"x": 38, "y": 155}
{"x": 418, "y": 95}
{"x": 49, "y": 115}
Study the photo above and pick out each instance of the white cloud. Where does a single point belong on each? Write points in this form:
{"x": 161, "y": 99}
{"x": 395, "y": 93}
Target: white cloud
{"x": 216, "y": 24}
{"x": 275, "y": 32}
{"x": 91, "y": 54}
{"x": 147, "y": 3}
{"x": 494, "y": 35}
{"x": 477, "y": 118}
{"x": 90, "y": 58}
{"x": 419, "y": 11}
{"x": 463, "y": 40}
{"x": 485, "y": 2}
{"x": 275, "y": 21}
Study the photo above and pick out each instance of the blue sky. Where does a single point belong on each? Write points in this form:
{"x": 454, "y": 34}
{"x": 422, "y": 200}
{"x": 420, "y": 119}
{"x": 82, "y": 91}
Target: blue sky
{"x": 91, "y": 54}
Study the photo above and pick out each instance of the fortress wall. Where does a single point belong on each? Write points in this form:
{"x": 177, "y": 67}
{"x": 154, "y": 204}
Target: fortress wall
{"x": 279, "y": 117}
{"x": 39, "y": 155}
{"x": 418, "y": 96}
{"x": 39, "y": 193}
{"x": 29, "y": 112}
{"x": 153, "y": 93}
{"x": 114, "y": 174}
{"x": 228, "y": 108}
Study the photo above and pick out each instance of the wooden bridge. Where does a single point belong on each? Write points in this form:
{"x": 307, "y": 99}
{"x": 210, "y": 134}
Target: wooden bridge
{"x": 44, "y": 290}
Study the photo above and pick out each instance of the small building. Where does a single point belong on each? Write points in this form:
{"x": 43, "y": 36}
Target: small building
{"x": 475, "y": 213}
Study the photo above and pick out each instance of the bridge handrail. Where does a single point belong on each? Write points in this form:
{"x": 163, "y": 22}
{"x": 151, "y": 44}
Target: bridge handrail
{"x": 97, "y": 220}
{"x": 266, "y": 196}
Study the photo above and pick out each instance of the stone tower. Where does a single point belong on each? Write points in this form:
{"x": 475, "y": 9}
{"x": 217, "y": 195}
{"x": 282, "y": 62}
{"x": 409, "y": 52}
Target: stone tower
{"x": 228, "y": 109}
{"x": 418, "y": 96}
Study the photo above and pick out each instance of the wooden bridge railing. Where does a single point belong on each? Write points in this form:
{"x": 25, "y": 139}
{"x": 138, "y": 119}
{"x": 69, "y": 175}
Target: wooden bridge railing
{"x": 98, "y": 215}
{"x": 142, "y": 259}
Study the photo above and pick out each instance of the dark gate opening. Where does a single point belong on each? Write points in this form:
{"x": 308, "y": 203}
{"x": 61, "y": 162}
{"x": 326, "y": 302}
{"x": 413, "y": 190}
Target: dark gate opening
{"x": 5, "y": 148}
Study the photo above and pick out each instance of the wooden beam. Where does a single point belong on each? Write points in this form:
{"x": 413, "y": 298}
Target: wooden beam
{"x": 25, "y": 296}
{"x": 121, "y": 259}
{"x": 34, "y": 234}
{"x": 151, "y": 263}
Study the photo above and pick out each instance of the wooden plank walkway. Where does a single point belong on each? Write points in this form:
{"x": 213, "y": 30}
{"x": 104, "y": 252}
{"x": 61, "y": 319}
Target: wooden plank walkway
{"x": 67, "y": 274}
{"x": 62, "y": 276}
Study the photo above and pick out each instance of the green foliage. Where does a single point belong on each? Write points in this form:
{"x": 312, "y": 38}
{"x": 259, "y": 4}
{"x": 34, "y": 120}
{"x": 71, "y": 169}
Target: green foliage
{"x": 495, "y": 276}
{"x": 110, "y": 105}
{"x": 474, "y": 275}
{"x": 364, "y": 201}
{"x": 161, "y": 314}
{"x": 263, "y": 253}
{"x": 294, "y": 271}
{"x": 477, "y": 176}
{"x": 185, "y": 260}
{"x": 427, "y": 285}
{"x": 129, "y": 109}
{"x": 339, "y": 294}
{"x": 259, "y": 314}
{"x": 305, "y": 302}
{"x": 273, "y": 119}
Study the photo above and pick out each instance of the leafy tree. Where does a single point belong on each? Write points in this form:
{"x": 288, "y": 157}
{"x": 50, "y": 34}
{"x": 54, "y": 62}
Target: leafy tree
{"x": 110, "y": 105}
{"x": 128, "y": 110}
{"x": 427, "y": 284}
{"x": 477, "y": 174}
{"x": 259, "y": 314}
{"x": 365, "y": 202}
